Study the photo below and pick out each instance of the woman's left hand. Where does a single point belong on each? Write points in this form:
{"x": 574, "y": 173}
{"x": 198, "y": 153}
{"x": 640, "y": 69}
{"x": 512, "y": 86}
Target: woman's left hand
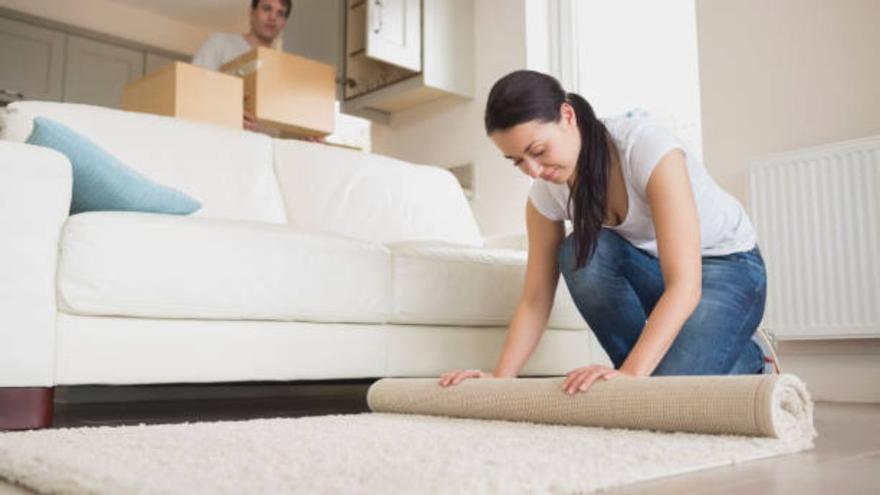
{"x": 580, "y": 379}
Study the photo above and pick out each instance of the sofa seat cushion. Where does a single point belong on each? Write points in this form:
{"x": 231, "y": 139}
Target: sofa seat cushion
{"x": 163, "y": 266}
{"x": 447, "y": 284}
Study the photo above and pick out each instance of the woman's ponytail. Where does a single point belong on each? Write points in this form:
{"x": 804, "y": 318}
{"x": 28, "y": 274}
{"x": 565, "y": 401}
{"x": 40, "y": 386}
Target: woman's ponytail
{"x": 589, "y": 195}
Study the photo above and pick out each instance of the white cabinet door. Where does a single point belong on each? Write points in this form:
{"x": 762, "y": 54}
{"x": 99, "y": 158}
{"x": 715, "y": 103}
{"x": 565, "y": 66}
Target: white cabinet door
{"x": 394, "y": 32}
{"x": 31, "y": 62}
{"x": 96, "y": 72}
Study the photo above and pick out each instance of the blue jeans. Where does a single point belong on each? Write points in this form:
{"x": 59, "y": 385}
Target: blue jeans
{"x": 620, "y": 285}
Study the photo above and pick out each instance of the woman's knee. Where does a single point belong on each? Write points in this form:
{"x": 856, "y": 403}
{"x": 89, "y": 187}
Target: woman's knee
{"x": 714, "y": 336}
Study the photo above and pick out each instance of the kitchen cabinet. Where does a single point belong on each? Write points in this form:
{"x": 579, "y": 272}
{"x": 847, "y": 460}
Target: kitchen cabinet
{"x": 401, "y": 53}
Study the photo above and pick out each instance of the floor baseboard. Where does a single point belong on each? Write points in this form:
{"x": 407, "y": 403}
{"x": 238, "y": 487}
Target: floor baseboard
{"x": 835, "y": 370}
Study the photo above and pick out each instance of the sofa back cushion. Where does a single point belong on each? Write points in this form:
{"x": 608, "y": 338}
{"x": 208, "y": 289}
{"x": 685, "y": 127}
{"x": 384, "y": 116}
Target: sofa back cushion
{"x": 371, "y": 197}
{"x": 230, "y": 172}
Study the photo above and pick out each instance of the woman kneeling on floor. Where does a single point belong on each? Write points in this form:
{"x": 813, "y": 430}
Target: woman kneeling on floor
{"x": 662, "y": 263}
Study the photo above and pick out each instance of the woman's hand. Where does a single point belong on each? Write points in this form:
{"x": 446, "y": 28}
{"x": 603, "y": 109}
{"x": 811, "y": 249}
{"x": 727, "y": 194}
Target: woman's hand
{"x": 457, "y": 376}
{"x": 580, "y": 379}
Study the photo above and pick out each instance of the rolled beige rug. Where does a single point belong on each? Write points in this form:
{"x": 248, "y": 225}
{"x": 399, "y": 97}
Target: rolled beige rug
{"x": 758, "y": 405}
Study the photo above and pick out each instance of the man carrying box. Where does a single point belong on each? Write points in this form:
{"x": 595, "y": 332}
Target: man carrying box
{"x": 267, "y": 19}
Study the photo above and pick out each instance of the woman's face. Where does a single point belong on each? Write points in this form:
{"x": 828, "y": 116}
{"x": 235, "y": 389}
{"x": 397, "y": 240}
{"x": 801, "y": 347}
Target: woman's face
{"x": 543, "y": 150}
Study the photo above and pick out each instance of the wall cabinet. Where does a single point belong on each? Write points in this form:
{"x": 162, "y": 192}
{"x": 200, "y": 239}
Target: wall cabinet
{"x": 393, "y": 32}
{"x": 50, "y": 63}
{"x": 31, "y": 62}
{"x": 95, "y": 72}
{"x": 400, "y": 53}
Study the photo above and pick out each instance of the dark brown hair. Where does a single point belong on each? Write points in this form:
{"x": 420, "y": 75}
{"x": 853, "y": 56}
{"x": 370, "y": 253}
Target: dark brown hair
{"x": 524, "y": 96}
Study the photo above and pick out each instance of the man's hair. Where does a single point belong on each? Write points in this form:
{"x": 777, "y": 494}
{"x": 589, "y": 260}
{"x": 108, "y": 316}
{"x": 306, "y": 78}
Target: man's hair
{"x": 287, "y": 5}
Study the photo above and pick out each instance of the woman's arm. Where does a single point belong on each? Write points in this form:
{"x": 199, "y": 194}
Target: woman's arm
{"x": 533, "y": 309}
{"x": 677, "y": 227}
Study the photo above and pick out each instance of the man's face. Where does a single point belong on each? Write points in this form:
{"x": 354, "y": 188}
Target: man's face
{"x": 268, "y": 19}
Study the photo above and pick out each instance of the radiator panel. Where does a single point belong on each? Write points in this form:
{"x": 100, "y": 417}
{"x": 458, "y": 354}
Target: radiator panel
{"x": 817, "y": 217}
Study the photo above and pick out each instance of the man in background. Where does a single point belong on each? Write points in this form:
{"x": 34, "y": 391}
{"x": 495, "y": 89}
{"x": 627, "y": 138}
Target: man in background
{"x": 267, "y": 20}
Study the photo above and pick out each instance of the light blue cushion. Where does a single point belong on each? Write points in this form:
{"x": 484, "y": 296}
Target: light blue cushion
{"x": 103, "y": 183}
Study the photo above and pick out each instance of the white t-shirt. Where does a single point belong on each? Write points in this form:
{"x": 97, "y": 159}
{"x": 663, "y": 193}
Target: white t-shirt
{"x": 724, "y": 226}
{"x": 220, "y": 48}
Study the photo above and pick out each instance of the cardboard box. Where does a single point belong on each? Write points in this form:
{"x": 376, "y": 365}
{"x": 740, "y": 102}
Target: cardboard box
{"x": 291, "y": 94}
{"x": 189, "y": 92}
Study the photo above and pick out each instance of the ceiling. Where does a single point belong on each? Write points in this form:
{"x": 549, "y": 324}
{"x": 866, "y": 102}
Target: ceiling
{"x": 209, "y": 13}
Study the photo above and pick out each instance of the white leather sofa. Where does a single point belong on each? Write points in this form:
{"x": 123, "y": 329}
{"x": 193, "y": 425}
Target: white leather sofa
{"x": 306, "y": 262}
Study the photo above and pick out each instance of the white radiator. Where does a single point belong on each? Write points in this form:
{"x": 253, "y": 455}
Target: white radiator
{"x": 817, "y": 214}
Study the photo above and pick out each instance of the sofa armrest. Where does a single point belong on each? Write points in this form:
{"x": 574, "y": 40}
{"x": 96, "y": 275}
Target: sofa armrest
{"x": 35, "y": 190}
{"x": 519, "y": 241}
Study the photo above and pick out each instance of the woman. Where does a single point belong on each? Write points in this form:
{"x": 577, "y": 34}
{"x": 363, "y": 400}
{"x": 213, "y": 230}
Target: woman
{"x": 662, "y": 263}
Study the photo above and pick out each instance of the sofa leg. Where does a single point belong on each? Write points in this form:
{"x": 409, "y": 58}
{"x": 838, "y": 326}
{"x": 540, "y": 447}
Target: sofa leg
{"x": 23, "y": 408}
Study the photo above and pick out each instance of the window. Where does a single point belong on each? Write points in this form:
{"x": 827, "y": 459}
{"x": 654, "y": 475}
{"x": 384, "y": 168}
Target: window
{"x": 637, "y": 56}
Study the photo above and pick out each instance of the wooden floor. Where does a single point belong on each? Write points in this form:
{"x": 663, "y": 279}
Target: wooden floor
{"x": 846, "y": 459}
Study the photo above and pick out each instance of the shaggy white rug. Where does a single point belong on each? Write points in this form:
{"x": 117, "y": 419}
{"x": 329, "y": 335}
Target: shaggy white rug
{"x": 376, "y": 453}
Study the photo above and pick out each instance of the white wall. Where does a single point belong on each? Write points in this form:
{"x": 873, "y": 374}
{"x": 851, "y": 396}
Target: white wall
{"x": 843, "y": 370}
{"x": 784, "y": 74}
{"x": 449, "y": 131}
{"x": 123, "y": 21}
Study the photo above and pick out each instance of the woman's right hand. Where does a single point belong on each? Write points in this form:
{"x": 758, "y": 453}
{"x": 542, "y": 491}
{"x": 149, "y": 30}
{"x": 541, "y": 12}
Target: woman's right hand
{"x": 457, "y": 376}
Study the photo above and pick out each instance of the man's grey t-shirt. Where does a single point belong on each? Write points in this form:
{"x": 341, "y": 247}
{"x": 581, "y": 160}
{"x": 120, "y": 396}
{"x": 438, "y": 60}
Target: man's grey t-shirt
{"x": 724, "y": 226}
{"x": 220, "y": 48}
